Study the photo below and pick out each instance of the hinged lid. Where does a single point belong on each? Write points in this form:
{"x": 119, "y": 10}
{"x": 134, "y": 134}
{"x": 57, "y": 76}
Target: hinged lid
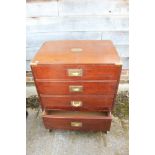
{"x": 77, "y": 52}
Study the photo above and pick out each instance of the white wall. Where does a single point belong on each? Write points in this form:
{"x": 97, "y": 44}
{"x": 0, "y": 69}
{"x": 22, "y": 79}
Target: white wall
{"x": 77, "y": 19}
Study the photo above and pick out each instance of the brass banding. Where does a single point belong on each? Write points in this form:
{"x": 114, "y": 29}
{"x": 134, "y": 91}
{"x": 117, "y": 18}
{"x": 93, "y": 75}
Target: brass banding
{"x": 76, "y": 49}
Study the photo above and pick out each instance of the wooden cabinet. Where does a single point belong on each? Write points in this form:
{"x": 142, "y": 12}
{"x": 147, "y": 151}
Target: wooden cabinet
{"x": 77, "y": 83}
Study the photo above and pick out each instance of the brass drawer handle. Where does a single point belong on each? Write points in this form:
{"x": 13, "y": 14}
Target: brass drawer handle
{"x": 75, "y": 88}
{"x": 76, "y": 103}
{"x": 76, "y": 124}
{"x": 75, "y": 72}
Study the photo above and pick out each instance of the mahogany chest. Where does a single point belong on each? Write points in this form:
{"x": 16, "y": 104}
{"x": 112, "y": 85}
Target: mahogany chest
{"x": 77, "y": 83}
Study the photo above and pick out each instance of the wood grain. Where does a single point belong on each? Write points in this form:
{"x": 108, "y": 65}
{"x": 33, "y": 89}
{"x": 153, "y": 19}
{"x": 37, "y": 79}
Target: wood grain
{"x": 92, "y": 52}
{"x": 90, "y": 72}
{"x": 90, "y": 121}
{"x": 98, "y": 67}
{"x": 62, "y": 88}
{"x": 89, "y": 102}
{"x": 37, "y": 39}
{"x": 77, "y": 23}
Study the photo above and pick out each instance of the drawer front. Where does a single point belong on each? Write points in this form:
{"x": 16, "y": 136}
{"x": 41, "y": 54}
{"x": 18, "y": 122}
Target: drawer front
{"x": 77, "y": 72}
{"x": 81, "y": 123}
{"x": 78, "y": 102}
{"x": 76, "y": 88}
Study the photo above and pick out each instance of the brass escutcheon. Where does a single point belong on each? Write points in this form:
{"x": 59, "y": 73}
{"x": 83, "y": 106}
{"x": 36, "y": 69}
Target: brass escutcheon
{"x": 76, "y": 49}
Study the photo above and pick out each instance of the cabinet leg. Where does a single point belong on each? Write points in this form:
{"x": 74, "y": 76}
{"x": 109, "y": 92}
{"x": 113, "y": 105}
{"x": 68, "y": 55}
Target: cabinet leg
{"x": 50, "y": 130}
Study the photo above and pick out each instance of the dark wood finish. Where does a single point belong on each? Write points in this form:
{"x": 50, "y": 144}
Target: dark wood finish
{"x": 89, "y": 102}
{"x": 93, "y": 66}
{"x": 90, "y": 72}
{"x": 62, "y": 88}
{"x": 95, "y": 121}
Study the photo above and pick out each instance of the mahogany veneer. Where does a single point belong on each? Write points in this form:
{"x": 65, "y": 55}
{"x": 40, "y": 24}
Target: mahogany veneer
{"x": 77, "y": 83}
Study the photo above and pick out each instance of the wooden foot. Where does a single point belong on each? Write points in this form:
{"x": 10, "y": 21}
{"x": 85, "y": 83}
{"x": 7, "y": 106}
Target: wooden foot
{"x": 27, "y": 114}
{"x": 50, "y": 130}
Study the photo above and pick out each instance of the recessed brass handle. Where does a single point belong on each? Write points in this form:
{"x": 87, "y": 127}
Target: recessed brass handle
{"x": 76, "y": 49}
{"x": 76, "y": 103}
{"x": 75, "y": 88}
{"x": 75, "y": 72}
{"x": 76, "y": 124}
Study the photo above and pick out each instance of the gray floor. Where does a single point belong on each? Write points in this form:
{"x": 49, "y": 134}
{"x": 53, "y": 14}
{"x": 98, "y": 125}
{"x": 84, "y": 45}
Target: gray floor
{"x": 58, "y": 142}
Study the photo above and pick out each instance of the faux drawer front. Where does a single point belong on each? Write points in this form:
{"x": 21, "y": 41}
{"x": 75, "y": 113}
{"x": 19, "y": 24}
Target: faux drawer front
{"x": 84, "y": 88}
{"x": 77, "y": 72}
{"x": 78, "y": 102}
{"x": 95, "y": 121}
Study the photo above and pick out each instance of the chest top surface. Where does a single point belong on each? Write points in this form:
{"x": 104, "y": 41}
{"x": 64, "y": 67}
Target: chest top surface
{"x": 77, "y": 52}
